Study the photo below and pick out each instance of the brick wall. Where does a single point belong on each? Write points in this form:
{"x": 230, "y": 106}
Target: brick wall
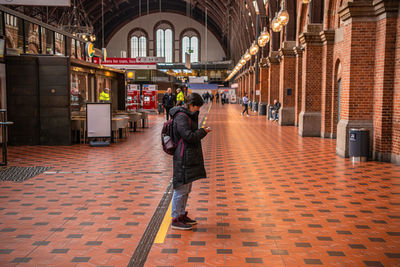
{"x": 383, "y": 89}
{"x": 273, "y": 92}
{"x": 263, "y": 85}
{"x": 396, "y": 97}
{"x": 358, "y": 81}
{"x": 287, "y": 80}
{"x": 298, "y": 85}
{"x": 311, "y": 78}
{"x": 327, "y": 85}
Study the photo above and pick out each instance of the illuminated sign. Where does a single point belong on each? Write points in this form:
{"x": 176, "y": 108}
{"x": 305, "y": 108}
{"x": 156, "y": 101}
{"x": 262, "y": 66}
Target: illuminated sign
{"x": 89, "y": 49}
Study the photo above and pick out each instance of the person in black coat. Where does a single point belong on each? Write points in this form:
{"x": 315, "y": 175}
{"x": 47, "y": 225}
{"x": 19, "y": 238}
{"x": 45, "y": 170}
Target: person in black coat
{"x": 168, "y": 101}
{"x": 188, "y": 158}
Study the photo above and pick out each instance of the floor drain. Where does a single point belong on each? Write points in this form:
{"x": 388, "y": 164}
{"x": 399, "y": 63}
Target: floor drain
{"x": 20, "y": 174}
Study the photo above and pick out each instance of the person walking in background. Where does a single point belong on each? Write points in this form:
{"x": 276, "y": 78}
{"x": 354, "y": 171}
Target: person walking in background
{"x": 246, "y": 105}
{"x": 222, "y": 98}
{"x": 168, "y": 101}
{"x": 188, "y": 159}
{"x": 180, "y": 98}
{"x": 217, "y": 97}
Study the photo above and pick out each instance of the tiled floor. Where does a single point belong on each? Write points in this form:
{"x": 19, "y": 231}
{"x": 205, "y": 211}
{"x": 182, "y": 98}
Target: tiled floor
{"x": 272, "y": 199}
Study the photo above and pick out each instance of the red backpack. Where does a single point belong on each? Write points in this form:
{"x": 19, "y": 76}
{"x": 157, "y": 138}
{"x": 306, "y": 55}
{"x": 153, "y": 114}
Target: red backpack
{"x": 167, "y": 135}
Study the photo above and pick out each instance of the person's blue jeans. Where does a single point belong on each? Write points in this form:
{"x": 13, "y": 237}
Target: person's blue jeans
{"x": 179, "y": 200}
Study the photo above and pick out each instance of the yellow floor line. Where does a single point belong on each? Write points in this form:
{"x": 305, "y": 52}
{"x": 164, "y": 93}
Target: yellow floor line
{"x": 162, "y": 232}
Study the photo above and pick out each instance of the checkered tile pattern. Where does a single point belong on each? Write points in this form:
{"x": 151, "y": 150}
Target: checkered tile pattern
{"x": 272, "y": 199}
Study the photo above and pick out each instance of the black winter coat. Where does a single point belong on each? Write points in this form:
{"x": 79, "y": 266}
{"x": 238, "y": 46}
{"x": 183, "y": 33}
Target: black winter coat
{"x": 188, "y": 157}
{"x": 169, "y": 100}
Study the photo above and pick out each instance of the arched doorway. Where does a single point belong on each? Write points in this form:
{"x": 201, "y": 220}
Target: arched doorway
{"x": 336, "y": 105}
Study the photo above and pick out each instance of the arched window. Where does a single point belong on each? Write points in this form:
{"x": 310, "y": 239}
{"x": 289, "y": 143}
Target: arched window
{"x": 137, "y": 43}
{"x": 164, "y": 41}
{"x": 190, "y": 43}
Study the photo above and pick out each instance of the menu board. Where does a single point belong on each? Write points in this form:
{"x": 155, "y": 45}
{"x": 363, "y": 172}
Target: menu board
{"x": 98, "y": 120}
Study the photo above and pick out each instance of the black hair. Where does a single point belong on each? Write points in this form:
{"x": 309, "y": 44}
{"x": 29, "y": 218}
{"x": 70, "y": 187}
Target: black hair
{"x": 194, "y": 99}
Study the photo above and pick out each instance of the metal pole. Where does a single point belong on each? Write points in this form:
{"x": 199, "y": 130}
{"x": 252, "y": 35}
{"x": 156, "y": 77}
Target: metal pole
{"x": 257, "y": 57}
{"x": 102, "y": 23}
{"x": 206, "y": 44}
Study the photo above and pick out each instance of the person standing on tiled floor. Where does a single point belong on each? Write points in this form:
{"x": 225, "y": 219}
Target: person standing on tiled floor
{"x": 246, "y": 105}
{"x": 188, "y": 158}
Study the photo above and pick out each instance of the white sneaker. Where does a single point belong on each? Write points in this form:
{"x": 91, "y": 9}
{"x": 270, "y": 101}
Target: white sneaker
{"x": 248, "y": 115}
{"x": 241, "y": 114}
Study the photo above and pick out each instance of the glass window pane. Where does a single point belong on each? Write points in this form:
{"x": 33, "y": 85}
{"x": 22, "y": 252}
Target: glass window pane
{"x": 168, "y": 45}
{"x": 83, "y": 51}
{"x": 142, "y": 46}
{"x": 47, "y": 42}
{"x": 31, "y": 38}
{"x": 73, "y": 52}
{"x": 160, "y": 43}
{"x": 78, "y": 50}
{"x": 134, "y": 47}
{"x": 194, "y": 56}
{"x": 60, "y": 44}
{"x": 185, "y": 48}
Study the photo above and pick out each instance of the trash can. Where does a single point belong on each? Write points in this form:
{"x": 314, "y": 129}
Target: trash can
{"x": 262, "y": 109}
{"x": 359, "y": 144}
{"x": 255, "y": 106}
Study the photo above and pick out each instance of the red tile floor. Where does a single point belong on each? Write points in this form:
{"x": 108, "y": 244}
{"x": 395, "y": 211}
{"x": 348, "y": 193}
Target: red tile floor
{"x": 272, "y": 199}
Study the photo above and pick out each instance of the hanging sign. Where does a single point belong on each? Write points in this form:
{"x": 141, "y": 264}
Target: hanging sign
{"x": 89, "y": 48}
{"x": 36, "y": 2}
{"x": 104, "y": 54}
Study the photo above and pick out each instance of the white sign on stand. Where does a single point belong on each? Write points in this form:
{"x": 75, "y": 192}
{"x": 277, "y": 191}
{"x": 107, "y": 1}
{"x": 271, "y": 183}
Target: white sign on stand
{"x": 98, "y": 119}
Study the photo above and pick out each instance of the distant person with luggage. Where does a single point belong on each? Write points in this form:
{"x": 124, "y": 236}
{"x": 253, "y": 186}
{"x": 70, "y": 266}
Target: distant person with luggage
{"x": 168, "y": 101}
{"x": 188, "y": 159}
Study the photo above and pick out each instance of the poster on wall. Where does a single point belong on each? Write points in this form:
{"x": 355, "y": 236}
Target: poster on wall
{"x": 36, "y": 2}
{"x": 98, "y": 120}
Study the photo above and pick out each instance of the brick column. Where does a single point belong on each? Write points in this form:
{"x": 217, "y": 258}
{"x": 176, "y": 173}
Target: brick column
{"x": 328, "y": 120}
{"x": 384, "y": 81}
{"x": 310, "y": 115}
{"x": 287, "y": 83}
{"x": 298, "y": 76}
{"x": 273, "y": 78}
{"x": 356, "y": 100}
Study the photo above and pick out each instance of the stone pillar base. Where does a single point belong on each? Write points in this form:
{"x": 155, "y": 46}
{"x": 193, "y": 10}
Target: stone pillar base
{"x": 395, "y": 159}
{"x": 328, "y": 135}
{"x": 310, "y": 124}
{"x": 342, "y": 139}
{"x": 286, "y": 116}
{"x": 379, "y": 156}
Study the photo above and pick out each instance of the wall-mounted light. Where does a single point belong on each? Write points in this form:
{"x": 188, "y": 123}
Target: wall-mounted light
{"x": 276, "y": 25}
{"x": 283, "y": 17}
{"x": 254, "y": 49}
{"x": 264, "y": 38}
{"x": 247, "y": 56}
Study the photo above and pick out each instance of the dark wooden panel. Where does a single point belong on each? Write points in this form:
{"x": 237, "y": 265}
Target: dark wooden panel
{"x": 54, "y": 86}
{"x": 23, "y": 100}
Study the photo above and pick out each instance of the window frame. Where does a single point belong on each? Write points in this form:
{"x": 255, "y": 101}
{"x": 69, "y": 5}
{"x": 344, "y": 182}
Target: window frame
{"x": 190, "y": 33}
{"x": 164, "y": 25}
{"x": 139, "y": 33}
